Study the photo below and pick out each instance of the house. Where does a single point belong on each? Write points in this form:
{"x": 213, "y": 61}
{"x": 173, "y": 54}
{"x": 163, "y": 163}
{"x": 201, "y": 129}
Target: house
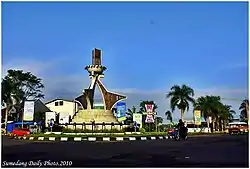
{"x": 62, "y": 105}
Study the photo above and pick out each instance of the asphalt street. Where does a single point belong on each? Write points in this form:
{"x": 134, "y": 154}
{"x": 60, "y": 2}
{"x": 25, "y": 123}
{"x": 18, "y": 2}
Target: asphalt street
{"x": 210, "y": 151}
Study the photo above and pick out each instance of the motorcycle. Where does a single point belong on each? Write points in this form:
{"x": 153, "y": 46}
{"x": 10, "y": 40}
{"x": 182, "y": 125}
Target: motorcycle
{"x": 176, "y": 134}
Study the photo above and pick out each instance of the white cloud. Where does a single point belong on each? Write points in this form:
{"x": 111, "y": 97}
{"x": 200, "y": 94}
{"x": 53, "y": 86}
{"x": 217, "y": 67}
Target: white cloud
{"x": 237, "y": 65}
{"x": 70, "y": 86}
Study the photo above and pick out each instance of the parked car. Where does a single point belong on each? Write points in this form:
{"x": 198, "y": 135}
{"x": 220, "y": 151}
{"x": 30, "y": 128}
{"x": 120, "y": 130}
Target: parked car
{"x": 238, "y": 128}
{"x": 20, "y": 132}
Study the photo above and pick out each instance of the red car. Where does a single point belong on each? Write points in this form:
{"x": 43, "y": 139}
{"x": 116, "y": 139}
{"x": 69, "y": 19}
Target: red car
{"x": 21, "y": 132}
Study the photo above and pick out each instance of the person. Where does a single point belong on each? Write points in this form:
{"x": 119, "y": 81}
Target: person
{"x": 181, "y": 127}
{"x": 180, "y": 124}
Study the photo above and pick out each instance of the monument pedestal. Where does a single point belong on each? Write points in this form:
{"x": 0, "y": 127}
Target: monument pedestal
{"x": 99, "y": 116}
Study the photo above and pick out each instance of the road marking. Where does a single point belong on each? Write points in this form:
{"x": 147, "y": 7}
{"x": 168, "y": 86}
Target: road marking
{"x": 77, "y": 139}
{"x": 64, "y": 138}
{"x": 119, "y": 138}
{"x": 92, "y": 139}
{"x": 40, "y": 138}
{"x": 52, "y": 138}
{"x": 132, "y": 138}
{"x": 106, "y": 139}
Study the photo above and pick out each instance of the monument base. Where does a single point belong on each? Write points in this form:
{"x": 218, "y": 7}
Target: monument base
{"x": 99, "y": 116}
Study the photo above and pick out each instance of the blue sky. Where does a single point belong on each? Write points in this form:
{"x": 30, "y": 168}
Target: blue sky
{"x": 147, "y": 47}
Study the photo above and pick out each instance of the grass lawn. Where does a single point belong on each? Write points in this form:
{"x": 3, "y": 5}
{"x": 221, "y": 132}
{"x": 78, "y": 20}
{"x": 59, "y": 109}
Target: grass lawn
{"x": 152, "y": 134}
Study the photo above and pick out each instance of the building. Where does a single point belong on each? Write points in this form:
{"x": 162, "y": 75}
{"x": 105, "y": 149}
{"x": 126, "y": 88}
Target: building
{"x": 15, "y": 114}
{"x": 62, "y": 105}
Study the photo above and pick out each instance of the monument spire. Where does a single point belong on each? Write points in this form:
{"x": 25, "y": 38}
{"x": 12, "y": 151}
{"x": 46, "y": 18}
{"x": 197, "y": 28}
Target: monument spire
{"x": 87, "y": 98}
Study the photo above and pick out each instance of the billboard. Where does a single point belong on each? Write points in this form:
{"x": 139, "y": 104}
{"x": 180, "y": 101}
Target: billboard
{"x": 197, "y": 117}
{"x": 121, "y": 111}
{"x": 150, "y": 113}
{"x": 63, "y": 118}
{"x": 48, "y": 116}
{"x": 29, "y": 109}
{"x": 138, "y": 118}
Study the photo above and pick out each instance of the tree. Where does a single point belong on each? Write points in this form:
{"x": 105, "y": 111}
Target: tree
{"x": 159, "y": 120}
{"x": 169, "y": 116}
{"x": 181, "y": 97}
{"x": 130, "y": 113}
{"x": 211, "y": 106}
{"x": 244, "y": 108}
{"x": 225, "y": 115}
{"x": 20, "y": 86}
{"x": 142, "y": 110}
{"x": 28, "y": 86}
{"x": 7, "y": 96}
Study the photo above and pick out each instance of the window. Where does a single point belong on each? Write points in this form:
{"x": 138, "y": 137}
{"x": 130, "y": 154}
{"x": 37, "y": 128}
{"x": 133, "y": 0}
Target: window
{"x": 56, "y": 103}
{"x": 61, "y": 103}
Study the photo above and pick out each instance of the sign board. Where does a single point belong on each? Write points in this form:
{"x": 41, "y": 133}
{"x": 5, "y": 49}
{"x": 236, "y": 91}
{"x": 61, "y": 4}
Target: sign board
{"x": 149, "y": 119}
{"x": 121, "y": 111}
{"x": 197, "y": 117}
{"x": 150, "y": 113}
{"x": 63, "y": 117}
{"x": 137, "y": 117}
{"x": 48, "y": 116}
{"x": 149, "y": 108}
{"x": 29, "y": 109}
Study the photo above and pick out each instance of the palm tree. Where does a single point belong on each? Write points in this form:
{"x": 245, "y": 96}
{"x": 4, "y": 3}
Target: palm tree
{"x": 225, "y": 115}
{"x": 212, "y": 106}
{"x": 159, "y": 120}
{"x": 209, "y": 106}
{"x": 169, "y": 116}
{"x": 130, "y": 114}
{"x": 244, "y": 108}
{"x": 180, "y": 97}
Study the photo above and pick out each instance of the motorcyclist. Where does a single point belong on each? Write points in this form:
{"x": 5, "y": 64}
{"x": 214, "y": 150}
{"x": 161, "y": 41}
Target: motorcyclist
{"x": 180, "y": 124}
{"x": 181, "y": 127}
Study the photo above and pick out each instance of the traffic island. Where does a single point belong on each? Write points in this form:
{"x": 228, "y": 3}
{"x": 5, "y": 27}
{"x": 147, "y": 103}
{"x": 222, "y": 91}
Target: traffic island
{"x": 76, "y": 137}
{"x": 92, "y": 138}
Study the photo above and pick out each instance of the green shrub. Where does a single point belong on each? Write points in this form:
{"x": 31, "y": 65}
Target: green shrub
{"x": 67, "y": 130}
{"x": 142, "y": 130}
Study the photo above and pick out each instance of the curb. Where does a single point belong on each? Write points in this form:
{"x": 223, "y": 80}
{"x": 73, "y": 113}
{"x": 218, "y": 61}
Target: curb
{"x": 91, "y": 139}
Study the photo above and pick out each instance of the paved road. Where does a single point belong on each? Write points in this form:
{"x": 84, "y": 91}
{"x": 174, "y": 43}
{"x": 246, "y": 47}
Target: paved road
{"x": 216, "y": 151}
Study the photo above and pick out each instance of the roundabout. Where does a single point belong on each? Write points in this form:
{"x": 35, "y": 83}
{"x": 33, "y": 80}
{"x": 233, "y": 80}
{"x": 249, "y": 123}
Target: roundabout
{"x": 197, "y": 151}
{"x": 106, "y": 137}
